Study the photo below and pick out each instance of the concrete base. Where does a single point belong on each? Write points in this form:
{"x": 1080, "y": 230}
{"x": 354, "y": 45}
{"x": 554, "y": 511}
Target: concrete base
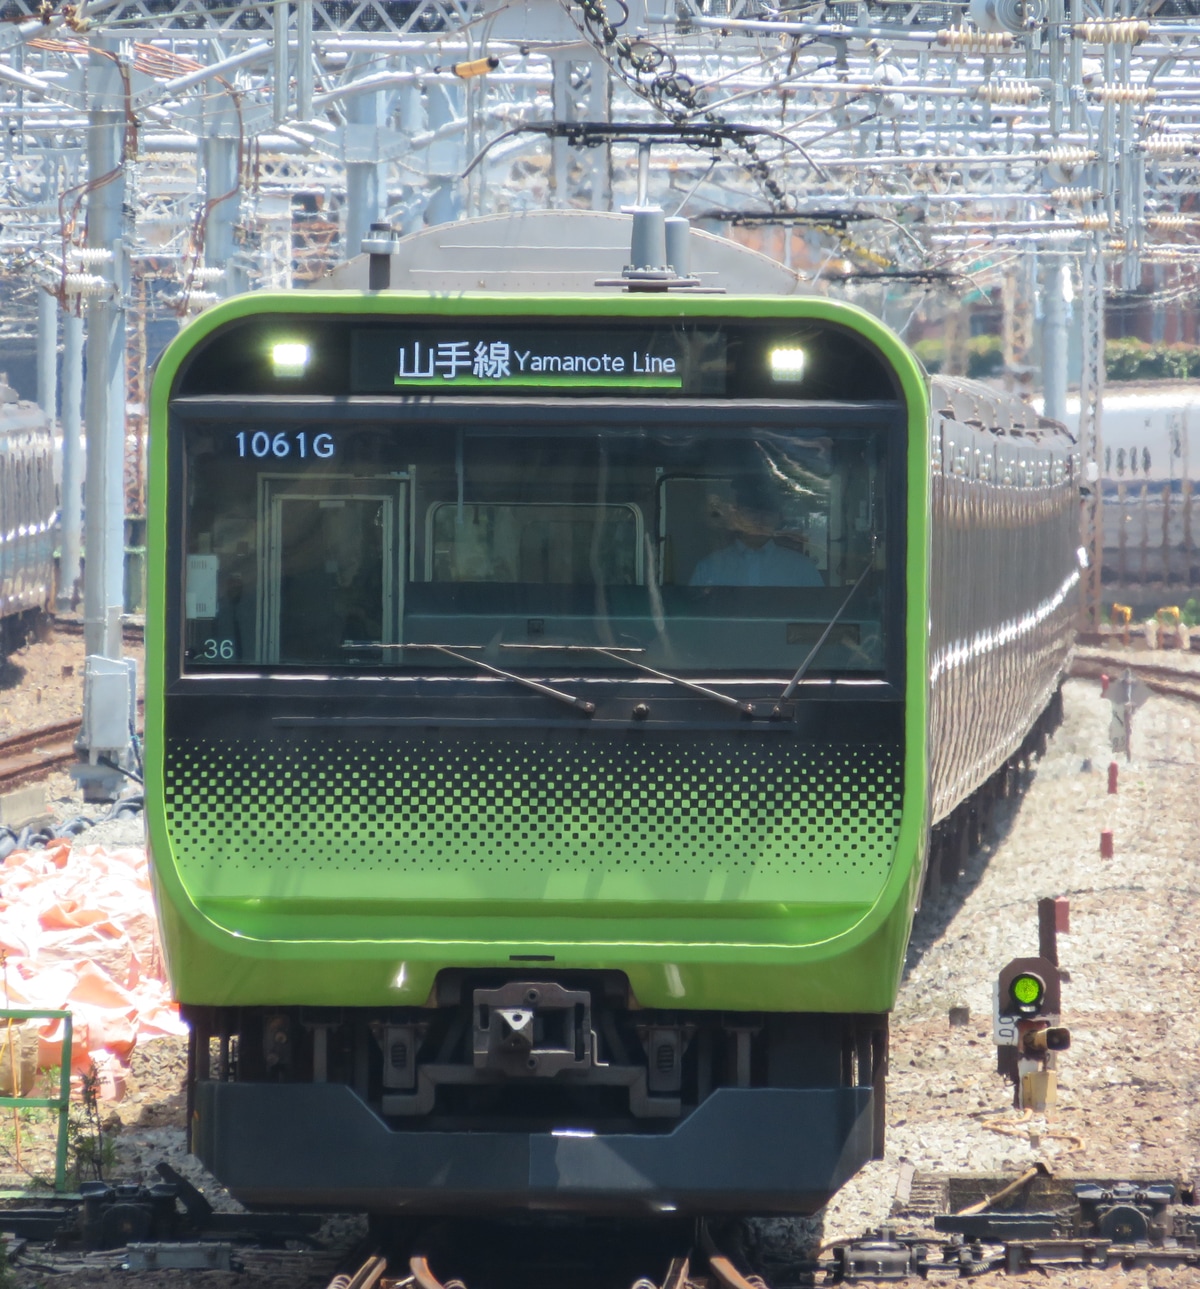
{"x": 23, "y": 806}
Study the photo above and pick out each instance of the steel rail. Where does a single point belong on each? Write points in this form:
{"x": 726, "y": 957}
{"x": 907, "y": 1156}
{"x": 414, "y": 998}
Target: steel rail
{"x": 424, "y": 1277}
{"x": 1165, "y": 681}
{"x": 368, "y": 1274}
{"x": 18, "y": 744}
{"x": 18, "y": 768}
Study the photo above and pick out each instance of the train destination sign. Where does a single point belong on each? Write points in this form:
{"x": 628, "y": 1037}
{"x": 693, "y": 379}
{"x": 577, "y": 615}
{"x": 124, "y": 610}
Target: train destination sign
{"x": 494, "y": 359}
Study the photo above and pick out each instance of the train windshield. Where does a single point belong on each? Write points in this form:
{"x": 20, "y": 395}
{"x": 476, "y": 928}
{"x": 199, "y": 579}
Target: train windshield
{"x": 696, "y": 548}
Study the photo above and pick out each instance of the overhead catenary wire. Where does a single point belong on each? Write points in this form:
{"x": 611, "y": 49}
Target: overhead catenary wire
{"x": 776, "y": 69}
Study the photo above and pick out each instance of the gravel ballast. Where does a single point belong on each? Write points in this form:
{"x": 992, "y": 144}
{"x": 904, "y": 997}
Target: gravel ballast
{"x": 1129, "y": 1085}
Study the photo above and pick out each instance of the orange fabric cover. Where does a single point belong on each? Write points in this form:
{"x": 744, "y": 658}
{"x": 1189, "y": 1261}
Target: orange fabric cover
{"x": 78, "y": 931}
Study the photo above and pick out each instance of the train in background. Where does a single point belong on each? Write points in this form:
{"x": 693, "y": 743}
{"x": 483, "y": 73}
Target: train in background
{"x": 550, "y": 693}
{"x": 28, "y": 517}
{"x": 1150, "y": 473}
{"x": 1149, "y": 479}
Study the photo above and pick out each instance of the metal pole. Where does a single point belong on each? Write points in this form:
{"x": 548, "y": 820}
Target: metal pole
{"x": 1054, "y": 338}
{"x": 222, "y": 191}
{"x": 304, "y": 59}
{"x": 107, "y": 687}
{"x": 1091, "y": 405}
{"x": 104, "y": 580}
{"x": 600, "y": 109}
{"x": 47, "y": 355}
{"x": 72, "y": 459}
{"x": 1129, "y": 163}
{"x": 364, "y": 205}
{"x": 1108, "y": 128}
{"x": 643, "y": 175}
{"x": 562, "y": 108}
{"x": 1055, "y": 21}
{"x": 279, "y": 100}
{"x": 444, "y": 158}
{"x": 365, "y": 191}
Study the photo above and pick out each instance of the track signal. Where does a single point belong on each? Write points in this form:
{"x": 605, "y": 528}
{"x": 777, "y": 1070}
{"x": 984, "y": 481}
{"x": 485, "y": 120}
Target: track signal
{"x": 1026, "y": 1011}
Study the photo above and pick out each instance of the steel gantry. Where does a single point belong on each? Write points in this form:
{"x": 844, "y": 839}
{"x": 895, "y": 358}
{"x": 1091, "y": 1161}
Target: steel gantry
{"x": 163, "y": 153}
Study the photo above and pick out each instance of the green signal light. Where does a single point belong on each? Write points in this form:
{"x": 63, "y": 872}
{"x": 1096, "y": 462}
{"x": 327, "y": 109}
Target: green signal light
{"x": 1027, "y": 991}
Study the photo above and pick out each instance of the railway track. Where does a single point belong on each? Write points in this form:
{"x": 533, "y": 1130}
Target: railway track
{"x": 880, "y": 1255}
{"x": 30, "y": 755}
{"x": 1049, "y": 1224}
{"x": 132, "y": 632}
{"x": 36, "y": 752}
{"x": 715, "y": 1271}
{"x": 1173, "y": 682}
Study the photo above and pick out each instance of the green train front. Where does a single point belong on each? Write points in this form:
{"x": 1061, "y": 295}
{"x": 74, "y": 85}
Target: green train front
{"x": 500, "y": 861}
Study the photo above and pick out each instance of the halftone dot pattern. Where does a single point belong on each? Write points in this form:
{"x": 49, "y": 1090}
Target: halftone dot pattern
{"x": 533, "y": 807}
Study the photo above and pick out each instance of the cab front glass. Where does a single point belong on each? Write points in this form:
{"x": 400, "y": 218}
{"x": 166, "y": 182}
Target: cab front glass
{"x": 691, "y": 540}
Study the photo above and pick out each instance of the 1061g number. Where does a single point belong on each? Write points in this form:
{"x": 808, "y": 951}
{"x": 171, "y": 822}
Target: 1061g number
{"x": 300, "y": 443}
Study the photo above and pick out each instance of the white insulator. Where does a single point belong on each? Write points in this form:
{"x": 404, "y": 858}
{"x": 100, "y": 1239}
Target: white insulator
{"x": 890, "y": 78}
{"x": 207, "y": 274}
{"x": 967, "y": 41}
{"x": 1073, "y": 196}
{"x": 1167, "y": 145}
{"x": 86, "y": 256}
{"x": 197, "y": 301}
{"x": 1119, "y": 31}
{"x": 1172, "y": 221}
{"x": 1068, "y": 156}
{"x": 85, "y": 284}
{"x": 1093, "y": 222}
{"x": 1009, "y": 92}
{"x": 1122, "y": 93}
{"x": 1116, "y": 244}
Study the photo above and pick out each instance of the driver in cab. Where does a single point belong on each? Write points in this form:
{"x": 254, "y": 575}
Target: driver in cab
{"x": 754, "y": 549}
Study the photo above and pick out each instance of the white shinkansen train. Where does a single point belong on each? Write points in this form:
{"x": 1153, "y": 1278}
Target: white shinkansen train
{"x": 1149, "y": 475}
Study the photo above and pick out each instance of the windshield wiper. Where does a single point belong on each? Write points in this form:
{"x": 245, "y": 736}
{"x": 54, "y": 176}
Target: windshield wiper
{"x": 581, "y": 704}
{"x": 621, "y": 655}
{"x": 790, "y": 687}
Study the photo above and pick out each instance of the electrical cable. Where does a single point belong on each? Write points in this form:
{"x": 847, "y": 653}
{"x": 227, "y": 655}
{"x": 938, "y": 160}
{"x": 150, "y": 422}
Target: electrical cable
{"x": 653, "y": 73}
{"x": 29, "y": 838}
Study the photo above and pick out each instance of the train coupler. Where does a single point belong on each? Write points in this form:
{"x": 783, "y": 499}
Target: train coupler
{"x": 532, "y": 1029}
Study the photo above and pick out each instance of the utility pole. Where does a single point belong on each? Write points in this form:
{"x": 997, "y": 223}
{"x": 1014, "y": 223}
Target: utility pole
{"x": 1055, "y": 337}
{"x": 1017, "y": 322}
{"x": 366, "y": 176}
{"x": 222, "y": 191}
{"x": 281, "y": 94}
{"x": 108, "y": 683}
{"x": 47, "y": 355}
{"x": 72, "y": 460}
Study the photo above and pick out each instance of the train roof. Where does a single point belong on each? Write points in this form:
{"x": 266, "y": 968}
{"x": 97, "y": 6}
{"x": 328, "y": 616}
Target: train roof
{"x": 553, "y": 252}
{"x": 17, "y": 414}
{"x": 979, "y": 405}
